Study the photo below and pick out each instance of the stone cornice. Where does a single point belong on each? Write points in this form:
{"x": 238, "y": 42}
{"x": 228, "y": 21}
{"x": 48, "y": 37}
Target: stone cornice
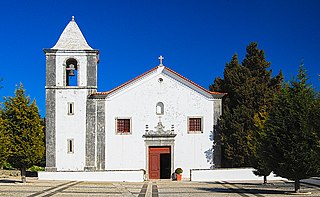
{"x": 71, "y": 87}
{"x": 53, "y": 51}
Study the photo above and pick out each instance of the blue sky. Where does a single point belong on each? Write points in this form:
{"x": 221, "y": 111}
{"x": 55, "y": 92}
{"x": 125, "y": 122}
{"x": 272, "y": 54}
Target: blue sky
{"x": 197, "y": 38}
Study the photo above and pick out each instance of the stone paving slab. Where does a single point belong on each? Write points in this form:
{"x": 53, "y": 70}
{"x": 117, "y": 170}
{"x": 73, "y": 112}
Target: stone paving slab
{"x": 34, "y": 187}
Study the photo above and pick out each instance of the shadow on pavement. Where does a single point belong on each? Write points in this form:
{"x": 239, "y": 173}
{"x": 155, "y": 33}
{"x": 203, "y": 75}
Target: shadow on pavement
{"x": 9, "y": 181}
{"x": 238, "y": 183}
{"x": 242, "y": 190}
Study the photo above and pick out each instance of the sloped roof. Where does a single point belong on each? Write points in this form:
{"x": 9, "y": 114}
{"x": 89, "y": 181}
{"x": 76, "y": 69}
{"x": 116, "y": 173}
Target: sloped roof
{"x": 72, "y": 38}
{"x": 166, "y": 71}
{"x": 193, "y": 83}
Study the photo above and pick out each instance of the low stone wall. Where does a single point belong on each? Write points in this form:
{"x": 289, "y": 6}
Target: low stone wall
{"x": 112, "y": 175}
{"x": 8, "y": 173}
{"x": 228, "y": 174}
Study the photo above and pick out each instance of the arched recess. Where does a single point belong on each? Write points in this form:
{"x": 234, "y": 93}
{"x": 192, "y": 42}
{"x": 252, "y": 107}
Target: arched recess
{"x": 71, "y": 77}
{"x": 160, "y": 108}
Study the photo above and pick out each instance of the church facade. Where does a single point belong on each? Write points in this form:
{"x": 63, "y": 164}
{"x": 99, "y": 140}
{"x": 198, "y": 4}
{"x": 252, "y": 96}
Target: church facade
{"x": 154, "y": 123}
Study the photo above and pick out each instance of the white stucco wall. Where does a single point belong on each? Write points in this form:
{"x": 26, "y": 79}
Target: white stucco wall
{"x": 229, "y": 174}
{"x": 121, "y": 176}
{"x": 138, "y": 102}
{"x": 70, "y": 127}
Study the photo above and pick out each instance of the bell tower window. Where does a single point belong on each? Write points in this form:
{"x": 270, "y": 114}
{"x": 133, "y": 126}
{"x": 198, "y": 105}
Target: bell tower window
{"x": 71, "y": 72}
{"x": 71, "y": 108}
{"x": 70, "y": 146}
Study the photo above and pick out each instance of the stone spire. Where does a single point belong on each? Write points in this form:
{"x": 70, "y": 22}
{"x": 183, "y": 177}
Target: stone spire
{"x": 72, "y": 38}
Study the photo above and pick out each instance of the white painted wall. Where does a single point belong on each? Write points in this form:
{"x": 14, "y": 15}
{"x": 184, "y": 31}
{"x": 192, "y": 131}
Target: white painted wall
{"x": 70, "y": 127}
{"x": 129, "y": 176}
{"x": 231, "y": 174}
{"x": 138, "y": 102}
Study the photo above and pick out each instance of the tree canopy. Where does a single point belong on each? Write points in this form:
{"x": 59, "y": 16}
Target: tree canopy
{"x": 251, "y": 90}
{"x": 24, "y": 126}
{"x": 4, "y": 142}
{"x": 291, "y": 146}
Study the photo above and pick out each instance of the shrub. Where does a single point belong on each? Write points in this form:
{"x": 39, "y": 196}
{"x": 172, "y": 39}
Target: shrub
{"x": 36, "y": 169}
{"x": 7, "y": 166}
{"x": 178, "y": 170}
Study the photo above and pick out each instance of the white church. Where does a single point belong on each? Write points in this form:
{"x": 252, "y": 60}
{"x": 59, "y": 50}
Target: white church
{"x": 143, "y": 129}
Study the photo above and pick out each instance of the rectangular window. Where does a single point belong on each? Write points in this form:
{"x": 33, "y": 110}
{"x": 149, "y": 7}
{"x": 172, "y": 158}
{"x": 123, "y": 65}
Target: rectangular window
{"x": 123, "y": 125}
{"x": 70, "y": 146}
{"x": 195, "y": 124}
{"x": 71, "y": 108}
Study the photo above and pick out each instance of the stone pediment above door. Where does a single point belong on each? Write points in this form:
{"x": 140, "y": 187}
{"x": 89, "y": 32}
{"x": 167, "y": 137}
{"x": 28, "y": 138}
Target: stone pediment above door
{"x": 159, "y": 132}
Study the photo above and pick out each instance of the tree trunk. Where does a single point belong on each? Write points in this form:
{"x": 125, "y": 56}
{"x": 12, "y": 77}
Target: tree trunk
{"x": 23, "y": 174}
{"x": 297, "y": 186}
{"x": 265, "y": 180}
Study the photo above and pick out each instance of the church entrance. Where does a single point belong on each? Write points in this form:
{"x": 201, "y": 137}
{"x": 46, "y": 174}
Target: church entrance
{"x": 159, "y": 162}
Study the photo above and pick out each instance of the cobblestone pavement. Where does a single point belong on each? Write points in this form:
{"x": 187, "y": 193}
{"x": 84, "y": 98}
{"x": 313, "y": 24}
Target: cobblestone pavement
{"x": 34, "y": 187}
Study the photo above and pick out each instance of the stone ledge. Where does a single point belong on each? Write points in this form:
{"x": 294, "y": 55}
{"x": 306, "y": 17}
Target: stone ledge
{"x": 114, "y": 175}
{"x": 8, "y": 173}
{"x": 228, "y": 174}
{"x": 50, "y": 169}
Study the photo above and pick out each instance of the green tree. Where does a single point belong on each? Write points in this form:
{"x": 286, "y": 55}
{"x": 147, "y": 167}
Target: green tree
{"x": 259, "y": 163}
{"x": 292, "y": 140}
{"x": 23, "y": 123}
{"x": 4, "y": 143}
{"x": 4, "y": 140}
{"x": 251, "y": 91}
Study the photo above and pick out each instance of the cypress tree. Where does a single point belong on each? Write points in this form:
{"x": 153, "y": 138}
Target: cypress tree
{"x": 23, "y": 123}
{"x": 291, "y": 146}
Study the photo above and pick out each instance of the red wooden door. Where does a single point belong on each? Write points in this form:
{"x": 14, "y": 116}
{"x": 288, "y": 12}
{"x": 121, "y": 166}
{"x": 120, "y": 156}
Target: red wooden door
{"x": 154, "y": 161}
{"x": 154, "y": 166}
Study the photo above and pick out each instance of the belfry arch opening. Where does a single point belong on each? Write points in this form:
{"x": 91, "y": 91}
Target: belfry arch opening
{"x": 71, "y": 72}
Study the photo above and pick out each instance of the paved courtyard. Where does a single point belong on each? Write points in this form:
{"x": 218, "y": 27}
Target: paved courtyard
{"x": 34, "y": 187}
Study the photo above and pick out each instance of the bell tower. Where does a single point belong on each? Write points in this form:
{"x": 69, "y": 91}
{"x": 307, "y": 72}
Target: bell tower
{"x": 71, "y": 76}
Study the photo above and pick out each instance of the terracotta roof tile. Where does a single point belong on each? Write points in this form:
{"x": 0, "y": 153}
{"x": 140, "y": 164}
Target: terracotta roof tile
{"x": 155, "y": 68}
{"x": 193, "y": 83}
{"x": 128, "y": 82}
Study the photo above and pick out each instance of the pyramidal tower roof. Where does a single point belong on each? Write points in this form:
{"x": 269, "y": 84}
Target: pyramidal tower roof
{"x": 72, "y": 38}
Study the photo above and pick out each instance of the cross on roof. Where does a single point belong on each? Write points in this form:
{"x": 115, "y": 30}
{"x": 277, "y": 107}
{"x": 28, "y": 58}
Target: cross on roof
{"x": 161, "y": 58}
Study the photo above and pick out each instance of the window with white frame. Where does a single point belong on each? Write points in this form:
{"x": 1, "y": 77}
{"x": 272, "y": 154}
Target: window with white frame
{"x": 70, "y": 146}
{"x": 123, "y": 125}
{"x": 159, "y": 108}
{"x": 195, "y": 124}
{"x": 70, "y": 108}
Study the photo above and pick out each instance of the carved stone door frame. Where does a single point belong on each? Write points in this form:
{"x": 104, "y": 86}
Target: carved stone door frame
{"x": 159, "y": 138}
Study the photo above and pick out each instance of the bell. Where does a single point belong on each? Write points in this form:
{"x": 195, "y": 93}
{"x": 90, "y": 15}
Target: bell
{"x": 71, "y": 70}
{"x": 71, "y": 73}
